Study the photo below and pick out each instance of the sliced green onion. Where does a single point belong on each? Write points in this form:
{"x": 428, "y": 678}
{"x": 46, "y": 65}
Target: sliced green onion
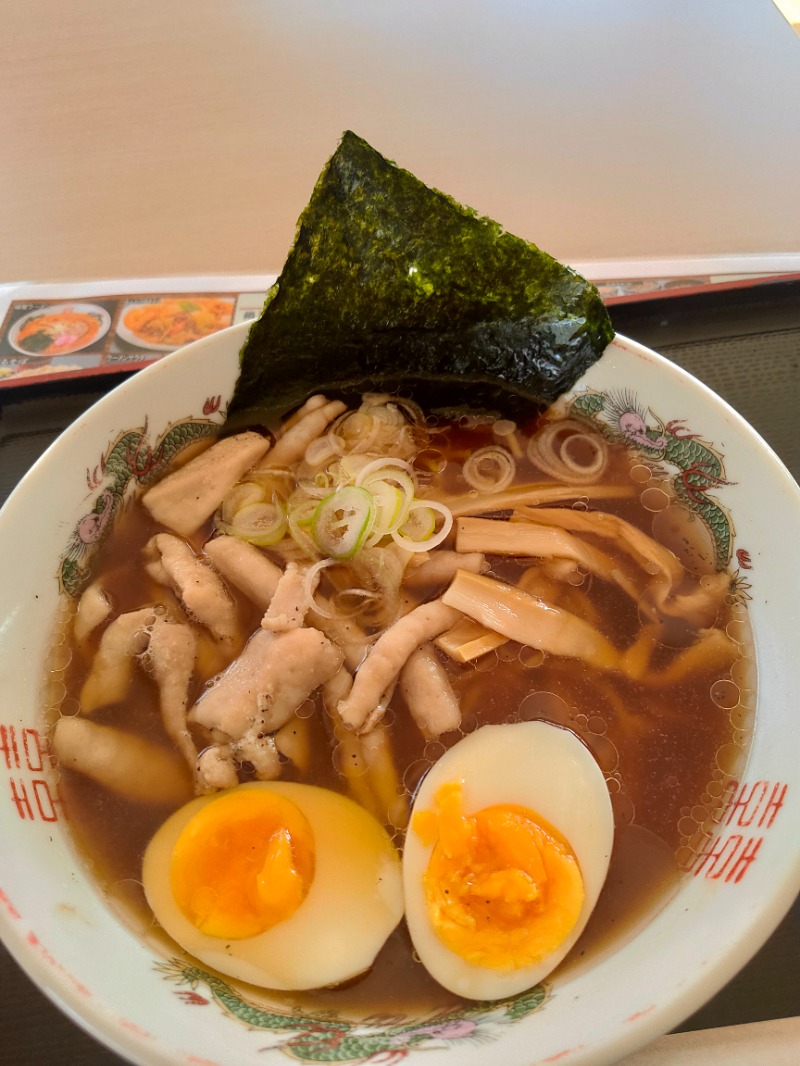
{"x": 412, "y": 411}
{"x": 352, "y": 465}
{"x": 310, "y": 586}
{"x": 420, "y": 524}
{"x": 318, "y": 487}
{"x": 391, "y": 483}
{"x": 349, "y": 602}
{"x": 343, "y": 521}
{"x": 418, "y": 533}
{"x": 300, "y": 518}
{"x": 380, "y": 467}
{"x": 239, "y": 496}
{"x": 490, "y": 469}
{"x": 389, "y": 504}
{"x": 319, "y": 452}
{"x": 259, "y": 523}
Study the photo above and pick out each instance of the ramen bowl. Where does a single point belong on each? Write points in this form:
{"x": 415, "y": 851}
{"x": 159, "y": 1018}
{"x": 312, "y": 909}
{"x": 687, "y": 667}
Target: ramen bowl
{"x": 739, "y": 865}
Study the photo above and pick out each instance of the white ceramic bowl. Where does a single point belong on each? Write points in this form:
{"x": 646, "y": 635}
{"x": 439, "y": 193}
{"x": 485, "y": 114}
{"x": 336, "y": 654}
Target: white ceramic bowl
{"x": 58, "y": 926}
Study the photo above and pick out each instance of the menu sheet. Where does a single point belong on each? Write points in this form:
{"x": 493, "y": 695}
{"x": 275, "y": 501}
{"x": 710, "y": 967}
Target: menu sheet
{"x": 56, "y": 332}
{"x": 70, "y": 330}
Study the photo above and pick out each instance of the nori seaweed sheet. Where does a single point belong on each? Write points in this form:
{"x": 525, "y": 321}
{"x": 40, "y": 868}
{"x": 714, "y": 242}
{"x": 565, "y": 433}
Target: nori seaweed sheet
{"x": 391, "y": 284}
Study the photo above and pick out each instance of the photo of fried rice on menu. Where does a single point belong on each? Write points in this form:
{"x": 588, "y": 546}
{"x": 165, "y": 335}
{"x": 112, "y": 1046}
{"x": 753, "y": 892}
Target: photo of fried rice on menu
{"x": 168, "y": 322}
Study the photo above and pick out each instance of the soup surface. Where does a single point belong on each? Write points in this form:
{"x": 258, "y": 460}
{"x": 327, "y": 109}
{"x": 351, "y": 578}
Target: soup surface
{"x": 557, "y": 512}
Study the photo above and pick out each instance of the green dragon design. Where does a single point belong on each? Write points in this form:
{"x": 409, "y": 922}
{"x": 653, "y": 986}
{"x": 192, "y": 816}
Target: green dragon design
{"x": 699, "y": 467}
{"x": 321, "y": 1038}
{"x": 129, "y": 462}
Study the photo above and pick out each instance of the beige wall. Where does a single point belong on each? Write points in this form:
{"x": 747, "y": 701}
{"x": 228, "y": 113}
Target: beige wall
{"x": 164, "y": 136}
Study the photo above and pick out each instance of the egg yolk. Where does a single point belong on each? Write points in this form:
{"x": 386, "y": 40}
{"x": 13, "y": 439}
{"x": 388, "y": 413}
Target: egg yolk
{"x": 502, "y": 888}
{"x": 243, "y": 863}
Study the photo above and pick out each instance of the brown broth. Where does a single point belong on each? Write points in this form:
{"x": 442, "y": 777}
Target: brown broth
{"x": 656, "y": 745}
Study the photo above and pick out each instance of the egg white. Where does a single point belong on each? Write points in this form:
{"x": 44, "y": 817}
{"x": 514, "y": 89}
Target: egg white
{"x": 354, "y": 903}
{"x": 534, "y": 765}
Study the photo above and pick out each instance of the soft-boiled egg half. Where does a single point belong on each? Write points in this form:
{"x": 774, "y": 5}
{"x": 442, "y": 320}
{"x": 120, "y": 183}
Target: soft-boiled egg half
{"x": 283, "y": 885}
{"x": 506, "y": 853}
